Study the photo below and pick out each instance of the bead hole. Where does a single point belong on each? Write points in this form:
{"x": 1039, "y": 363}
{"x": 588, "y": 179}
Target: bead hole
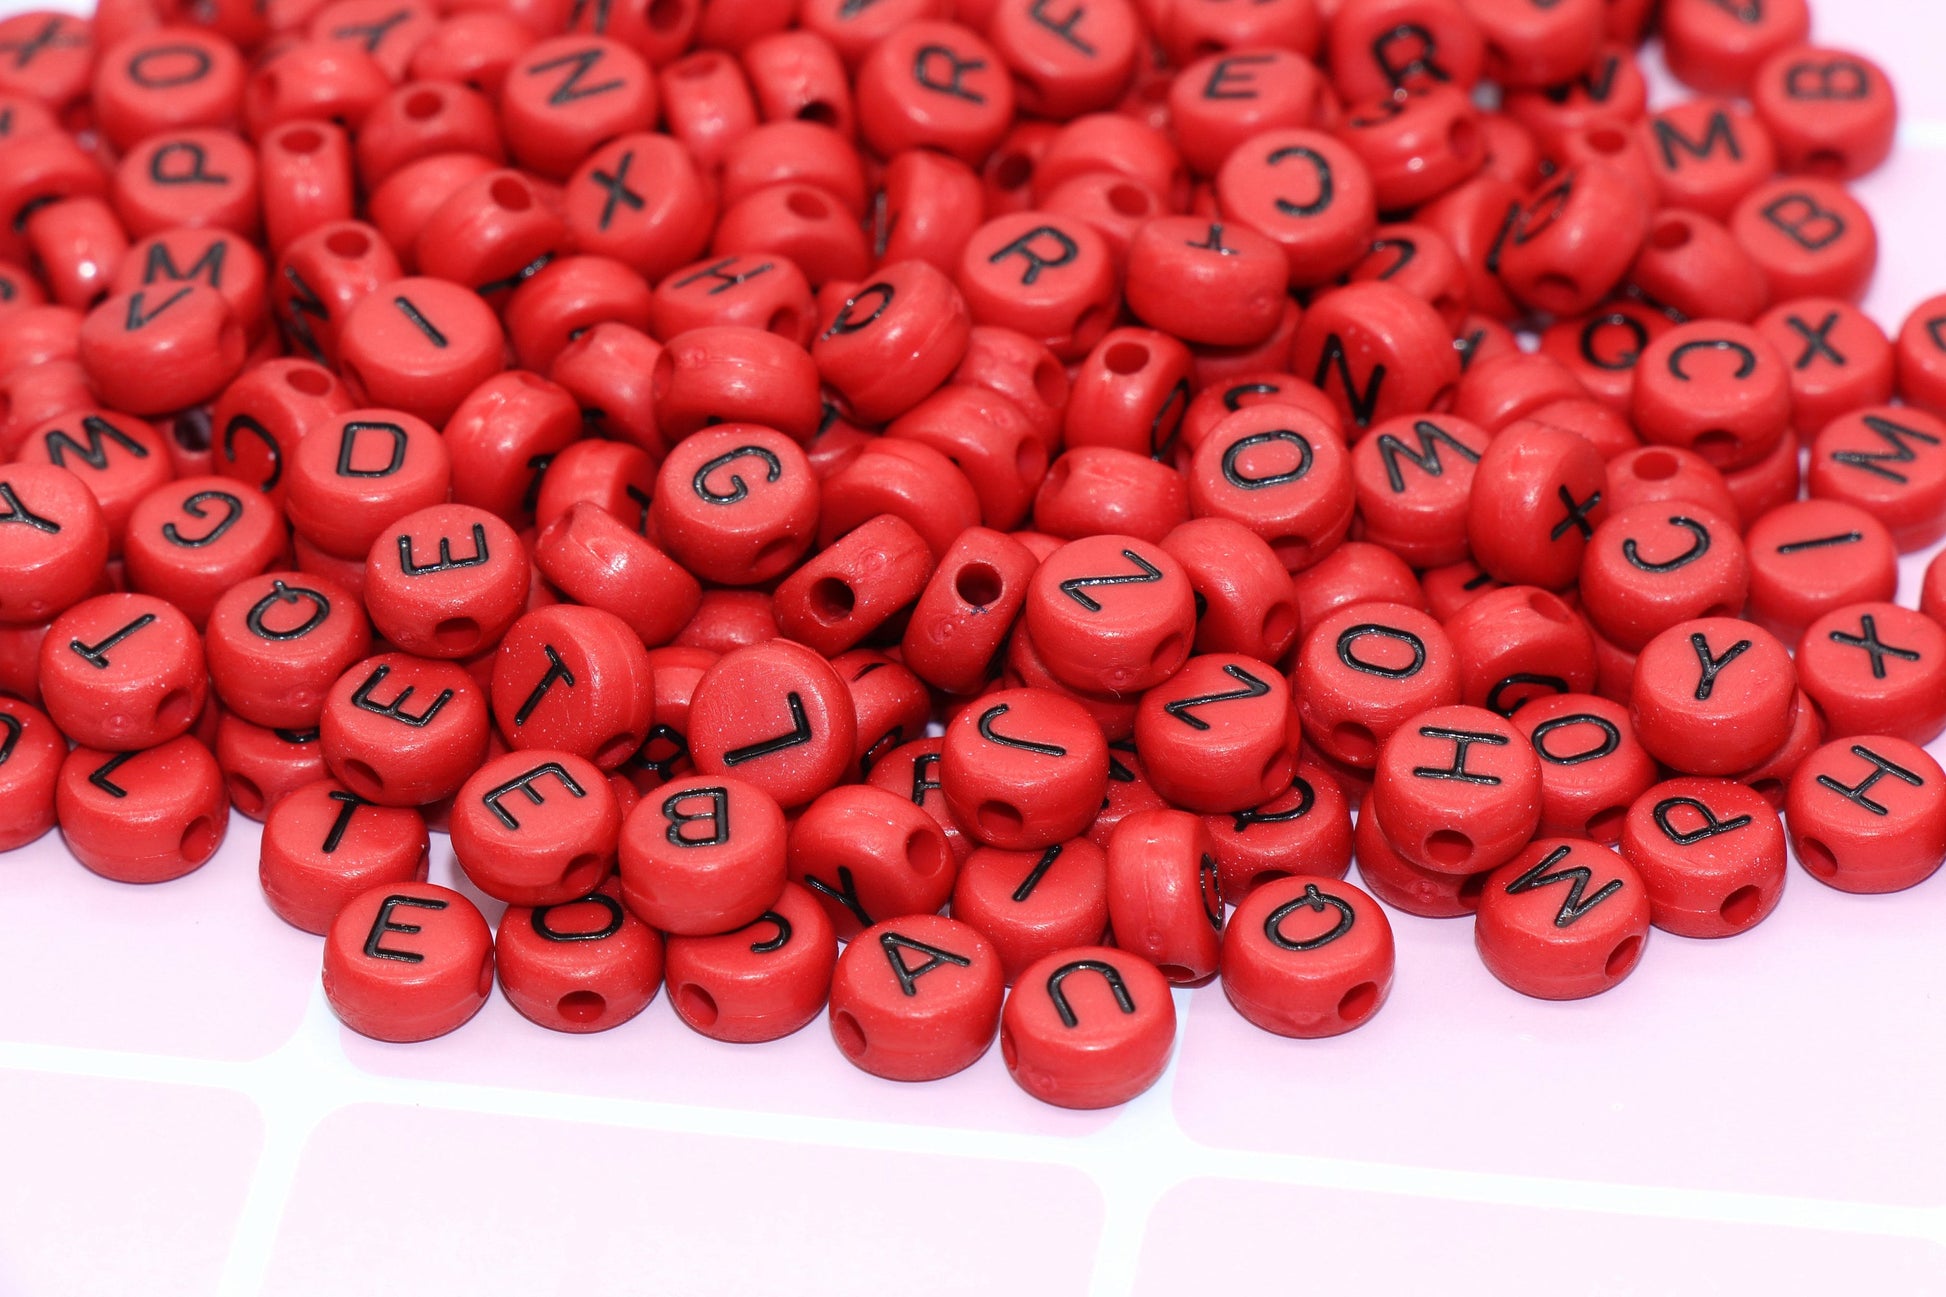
{"x": 1718, "y": 446}
{"x": 311, "y": 382}
{"x": 1177, "y": 974}
{"x": 173, "y": 710}
{"x": 1267, "y": 876}
{"x": 923, "y": 853}
{"x": 1128, "y": 200}
{"x": 457, "y": 635}
{"x": 510, "y": 193}
{"x": 1670, "y": 235}
{"x": 1357, "y": 1003}
{"x": 581, "y": 1007}
{"x": 1013, "y": 171}
{"x": 246, "y": 796}
{"x": 1655, "y": 466}
{"x": 999, "y": 819}
{"x": 364, "y": 780}
{"x": 1450, "y": 848}
{"x": 301, "y": 139}
{"x": 665, "y": 15}
{"x": 1294, "y": 552}
{"x": 818, "y": 111}
{"x": 1817, "y": 858}
{"x": 1280, "y": 624}
{"x": 348, "y": 244}
{"x": 1605, "y": 825}
{"x": 697, "y": 1005}
{"x": 1622, "y": 958}
{"x": 1126, "y": 358}
{"x": 783, "y": 322}
{"x": 1355, "y": 743}
{"x": 849, "y": 1035}
{"x": 1739, "y": 908}
{"x": 198, "y": 840}
{"x": 424, "y": 104}
{"x": 978, "y": 585}
{"x": 807, "y": 205}
{"x": 831, "y": 599}
{"x": 1050, "y": 384}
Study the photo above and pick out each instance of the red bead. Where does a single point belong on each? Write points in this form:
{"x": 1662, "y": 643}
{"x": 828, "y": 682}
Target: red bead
{"x": 1220, "y": 735}
{"x": 53, "y": 56}
{"x": 1565, "y": 919}
{"x": 1308, "y": 956}
{"x": 934, "y": 85}
{"x": 54, "y": 542}
{"x": 575, "y": 679}
{"x": 1517, "y": 645}
{"x": 1416, "y": 146}
{"x": 1891, "y": 462}
{"x": 473, "y": 48}
{"x": 735, "y": 374}
{"x": 142, "y": 817}
{"x": 1306, "y": 191}
{"x": 407, "y": 961}
{"x": 165, "y": 80}
{"x": 1242, "y": 592}
{"x": 323, "y": 846}
{"x": 424, "y": 118}
{"x": 1454, "y": 766}
{"x": 776, "y": 715}
{"x": 1713, "y": 696}
{"x": 1385, "y": 46}
{"x": 706, "y": 103}
{"x": 1921, "y": 355}
{"x": 1282, "y": 473}
{"x": 1667, "y": 476}
{"x": 488, "y": 232}
{"x": 361, "y": 472}
{"x": 926, "y": 207}
{"x": 1711, "y": 853}
{"x": 1366, "y": 670}
{"x": 324, "y": 274}
{"x": 1838, "y": 356}
{"x": 122, "y": 672}
{"x": 1204, "y": 281}
{"x": 1499, "y": 391}
{"x": 1592, "y": 765}
{"x": 609, "y": 371}
{"x": 854, "y": 32}
{"x": 262, "y": 766}
{"x": 870, "y": 856}
{"x": 1023, "y": 769}
{"x": 1831, "y": 112}
{"x": 446, "y": 582}
{"x": 1405, "y": 886}
{"x": 728, "y": 619}
{"x": 158, "y": 350}
{"x": 765, "y": 291}
{"x": 1195, "y": 28}
{"x": 595, "y": 559}
{"x": 1602, "y": 349}
{"x": 1868, "y": 814}
{"x": 736, "y": 503}
{"x": 800, "y": 221}
{"x": 1219, "y": 101}
{"x": 1099, "y": 635}
{"x": 1693, "y": 266}
{"x": 503, "y": 436}
{"x": 420, "y": 345}
{"x": 1163, "y": 901}
{"x": 912, "y": 771}
{"x": 892, "y": 341}
{"x": 900, "y": 476}
{"x": 760, "y": 982}
{"x": 1472, "y": 219}
{"x": 402, "y": 203}
{"x": 305, "y": 173}
{"x": 1413, "y": 475}
{"x": 613, "y": 477}
{"x": 1719, "y": 48}
{"x": 1354, "y": 339}
{"x": 78, "y": 244}
{"x": 1768, "y": 484}
{"x": 1717, "y": 388}
{"x": 1068, "y": 63}
{"x": 639, "y": 200}
{"x": 194, "y": 539}
{"x": 1027, "y": 668}
{"x": 1029, "y": 904}
{"x": 120, "y": 459}
{"x": 387, "y": 32}
{"x": 579, "y": 966}
{"x": 1050, "y": 278}
{"x": 888, "y": 701}
{"x": 1876, "y": 668}
{"x": 1652, "y": 565}
{"x": 1810, "y": 237}
{"x": 31, "y": 754}
{"x": 1811, "y": 557}
{"x": 1609, "y": 91}
{"x": 569, "y": 95}
{"x": 1574, "y": 239}
{"x": 993, "y": 441}
{"x": 1088, "y": 1027}
{"x": 1420, "y": 261}
{"x": 844, "y": 593}
{"x": 536, "y": 828}
{"x": 1537, "y": 499}
{"x": 1304, "y": 828}
{"x": 916, "y": 998}
{"x": 404, "y": 731}
{"x": 1095, "y": 489}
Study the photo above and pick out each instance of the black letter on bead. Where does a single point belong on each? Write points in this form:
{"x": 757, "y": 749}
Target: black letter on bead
{"x": 1235, "y": 477}
{"x": 606, "y": 930}
{"x": 96, "y": 654}
{"x": 556, "y": 670}
{"x": 193, "y": 506}
{"x": 351, "y": 803}
{"x": 1220, "y": 77}
{"x": 800, "y": 732}
{"x": 579, "y": 64}
{"x": 1817, "y": 341}
{"x": 1363, "y": 404}
{"x": 1611, "y": 739}
{"x": 494, "y": 798}
{"x": 776, "y": 943}
{"x": 348, "y": 441}
{"x": 994, "y": 713}
{"x": 1252, "y": 688}
{"x": 1022, "y": 247}
{"x": 1307, "y": 797}
{"x": 1110, "y": 974}
{"x": 1073, "y": 586}
{"x": 1893, "y": 435}
{"x": 1327, "y": 188}
{"x": 715, "y": 271}
{"x": 1391, "y": 450}
{"x": 100, "y": 777}
{"x": 1062, "y": 27}
{"x": 281, "y": 593}
{"x": 1706, "y": 682}
{"x": 1578, "y": 511}
{"x": 1462, "y": 741}
{"x": 1711, "y": 825}
{"x": 618, "y": 191}
{"x": 1352, "y": 634}
{"x": 1719, "y": 131}
{"x": 1573, "y": 906}
{"x": 13, "y": 727}
{"x": 249, "y": 424}
{"x": 1698, "y": 547}
{"x": 845, "y": 893}
{"x": 957, "y": 68}
{"x": 20, "y": 513}
{"x": 59, "y": 442}
{"x": 196, "y": 175}
{"x": 1496, "y": 699}
{"x": 1868, "y": 640}
{"x": 1315, "y": 900}
{"x": 908, "y": 974}
{"x": 773, "y": 469}
{"x": 396, "y": 708}
{"x": 1806, "y": 224}
{"x": 138, "y": 319}
{"x": 1881, "y": 768}
{"x": 446, "y": 561}
{"x": 384, "y": 925}
{"x": 1034, "y": 876}
{"x": 842, "y": 323}
{"x": 718, "y": 816}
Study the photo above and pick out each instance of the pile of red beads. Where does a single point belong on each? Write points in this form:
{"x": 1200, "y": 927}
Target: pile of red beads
{"x": 760, "y": 475}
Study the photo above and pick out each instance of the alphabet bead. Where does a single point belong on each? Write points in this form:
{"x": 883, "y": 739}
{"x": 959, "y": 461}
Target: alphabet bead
{"x": 1889, "y": 461}
{"x": 323, "y": 846}
{"x": 1088, "y": 1027}
{"x": 870, "y": 856}
{"x": 1711, "y": 853}
{"x": 1413, "y": 475}
{"x": 1242, "y": 592}
{"x": 420, "y": 346}
{"x": 761, "y": 982}
{"x": 1163, "y": 899}
{"x": 1308, "y": 823}
{"x": 776, "y": 715}
{"x": 536, "y": 827}
{"x": 1032, "y": 903}
{"x": 1564, "y": 920}
{"x": 1023, "y": 769}
{"x": 1308, "y": 956}
{"x": 1451, "y": 767}
{"x": 1713, "y": 696}
{"x": 1592, "y": 765}
{"x": 703, "y": 855}
{"x": 1221, "y": 735}
{"x": 574, "y": 679}
{"x": 53, "y": 542}
{"x": 917, "y": 998}
{"x": 1366, "y": 670}
{"x": 407, "y": 961}
{"x": 1539, "y": 497}
{"x": 1867, "y": 814}
{"x": 736, "y": 503}
{"x": 446, "y": 582}
{"x": 262, "y": 766}
{"x": 1810, "y": 237}
{"x": 961, "y": 619}
{"x": 1307, "y": 192}
{"x": 1104, "y": 639}
{"x": 1876, "y": 668}
{"x": 123, "y": 672}
{"x": 1406, "y": 887}
{"x": 32, "y": 752}
{"x": 404, "y": 731}
{"x": 579, "y": 966}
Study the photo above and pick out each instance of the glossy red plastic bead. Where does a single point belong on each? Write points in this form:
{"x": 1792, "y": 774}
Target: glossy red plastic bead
{"x": 569, "y": 95}
{"x": 504, "y": 436}
{"x": 361, "y": 472}
{"x": 1219, "y": 101}
{"x": 277, "y": 643}
{"x": 912, "y": 771}
{"x": 193, "y": 540}
{"x": 736, "y": 503}
{"x": 761, "y": 982}
{"x": 614, "y": 477}
{"x": 844, "y": 593}
{"x": 1839, "y": 359}
{"x": 1451, "y": 767}
{"x": 926, "y": 206}
{"x": 1163, "y": 901}
{"x": 1706, "y": 154}
{"x": 1415, "y": 146}
{"x": 1021, "y": 369}
{"x": 1387, "y": 46}
{"x": 1601, "y": 349}
{"x": 870, "y": 856}
{"x": 324, "y": 845}
{"x": 78, "y": 244}
{"x": 489, "y": 233}
{"x": 122, "y": 672}
{"x": 1242, "y": 593}
{"x": 158, "y": 350}
{"x": 1355, "y": 339}
{"x": 424, "y": 118}
{"x": 473, "y": 47}
{"x": 54, "y": 542}
{"x": 574, "y": 679}
{"x": 1713, "y": 696}
{"x": 776, "y": 715}
{"x": 321, "y": 276}
{"x": 31, "y": 754}
{"x": 1308, "y": 956}
{"x": 259, "y": 420}
{"x": 1221, "y": 735}
{"x": 1921, "y": 356}
{"x": 165, "y": 80}
{"x": 119, "y": 458}
{"x": 404, "y": 731}
{"x": 1306, "y": 191}
{"x": 1066, "y": 64}
{"x": 1091, "y": 490}
{"x": 989, "y": 437}
{"x": 889, "y": 702}
{"x": 419, "y": 345}
{"x": 1770, "y": 483}
{"x": 1412, "y": 475}
{"x": 1693, "y": 266}
{"x": 1029, "y": 904}
{"x": 609, "y": 372}
{"x": 142, "y": 816}
{"x": 1519, "y": 644}
{"x": 916, "y": 998}
{"x": 1049, "y": 277}
{"x": 1405, "y": 886}
{"x": 1831, "y": 112}
{"x": 934, "y": 85}
{"x": 1652, "y": 565}
{"x": 1206, "y": 281}
{"x": 1367, "y": 669}
{"x": 1306, "y": 828}
{"x": 53, "y": 55}
{"x": 892, "y": 341}
{"x": 1868, "y": 814}
{"x": 536, "y": 827}
{"x": 1592, "y": 765}
{"x": 1538, "y": 497}
{"x": 1574, "y": 239}
{"x": 1876, "y": 668}
{"x": 1714, "y": 387}
{"x": 1565, "y": 919}
{"x": 262, "y": 766}
{"x": 1111, "y": 614}
{"x": 305, "y": 175}
{"x": 1810, "y": 237}
{"x": 1088, "y": 1027}
{"x": 801, "y": 221}
{"x": 594, "y": 558}
{"x": 1419, "y": 260}
{"x": 640, "y": 200}
{"x": 1889, "y": 461}
{"x": 1812, "y": 557}
{"x": 1022, "y": 769}
{"x": 1710, "y": 851}
{"x": 446, "y": 582}
{"x": 578, "y": 966}
{"x": 407, "y": 961}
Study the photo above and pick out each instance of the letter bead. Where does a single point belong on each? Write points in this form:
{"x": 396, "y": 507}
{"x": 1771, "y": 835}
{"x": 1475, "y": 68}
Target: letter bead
{"x": 1457, "y": 790}
{"x": 123, "y": 672}
{"x": 1539, "y": 494}
{"x": 578, "y": 966}
{"x": 916, "y": 998}
{"x": 1163, "y": 897}
{"x": 404, "y": 731}
{"x": 760, "y": 982}
{"x": 1366, "y": 670}
{"x": 1565, "y": 919}
{"x": 407, "y": 961}
{"x": 1868, "y": 814}
{"x": 278, "y": 642}
{"x": 1111, "y": 614}
{"x": 703, "y": 855}
{"x": 1221, "y": 735}
{"x": 1308, "y": 956}
{"x": 323, "y": 845}
{"x": 1810, "y": 237}
{"x": 1876, "y": 668}
{"x": 53, "y": 542}
{"x": 142, "y": 817}
{"x": 536, "y": 827}
{"x": 32, "y": 752}
{"x": 1306, "y": 828}
{"x": 1592, "y": 764}
{"x": 575, "y": 679}
{"x": 1088, "y": 1027}
{"x": 1710, "y": 851}
{"x": 1713, "y": 696}
{"x": 1889, "y": 461}
{"x": 1023, "y": 769}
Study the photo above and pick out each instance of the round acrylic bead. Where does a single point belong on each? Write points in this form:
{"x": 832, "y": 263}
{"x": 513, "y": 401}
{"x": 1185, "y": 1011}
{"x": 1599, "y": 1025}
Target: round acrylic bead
{"x": 934, "y": 85}
{"x": 1668, "y": 476}
{"x": 1013, "y": 365}
{"x": 354, "y": 476}
{"x": 488, "y": 232}
{"x": 163, "y": 80}
{"x": 902, "y": 476}
{"x": 1306, "y": 191}
{"x": 1838, "y": 357}
{"x": 703, "y": 855}
{"x": 446, "y": 582}
{"x": 776, "y": 715}
{"x": 1810, "y": 237}
{"x": 1224, "y": 98}
{"x": 1367, "y": 669}
{"x": 1868, "y": 814}
{"x": 1602, "y": 349}
{"x": 869, "y": 855}
{"x": 889, "y": 701}
{"x": 52, "y": 56}
{"x": 1592, "y": 765}
{"x": 892, "y": 341}
{"x": 1023, "y": 769}
{"x": 192, "y": 540}
{"x": 912, "y": 771}
{"x": 305, "y": 174}
{"x": 504, "y": 436}
{"x": 1889, "y": 461}
{"x": 1706, "y": 154}
{"x": 1499, "y": 391}
{"x": 1412, "y": 475}
{"x": 640, "y": 200}
{"x": 424, "y": 118}
{"x": 960, "y": 621}
{"x": 323, "y": 845}
{"x": 1770, "y": 483}
{"x": 1415, "y": 146}
{"x": 1048, "y": 277}
{"x": 419, "y": 345}
{"x": 916, "y": 998}
{"x": 1419, "y": 260}
{"x": 578, "y": 966}
{"x": 844, "y": 593}
{"x": 1403, "y": 885}
{"x": 321, "y": 276}
{"x": 1026, "y": 668}
{"x": 404, "y": 731}
{"x": 1220, "y": 735}
{"x": 802, "y": 221}
{"x": 1518, "y": 644}
{"x": 53, "y": 542}
{"x": 1876, "y": 668}
{"x": 1451, "y": 767}
{"x": 473, "y": 48}
{"x": 1565, "y": 919}
{"x": 123, "y": 671}
{"x": 1308, "y": 956}
{"x": 261, "y": 766}
{"x": 1242, "y": 593}
{"x": 1537, "y": 500}
{"x": 575, "y": 679}
{"x": 31, "y": 754}
{"x": 120, "y": 458}
{"x": 1206, "y": 281}
{"x": 1921, "y": 356}
{"x": 1650, "y": 566}
{"x": 1831, "y": 112}
{"x": 1088, "y": 1027}
{"x": 1384, "y": 47}
{"x": 1378, "y": 351}
{"x": 1163, "y": 897}
{"x": 1304, "y": 828}
{"x": 1069, "y": 64}
{"x": 1719, "y": 48}
{"x": 1811, "y": 557}
{"x": 78, "y": 245}
{"x": 158, "y": 350}
{"x": 1713, "y": 696}
{"x": 1093, "y": 490}
{"x": 730, "y": 373}
{"x": 536, "y": 827}
{"x": 407, "y": 961}
{"x": 596, "y": 559}
{"x": 614, "y": 477}
{"x": 1692, "y": 266}
{"x": 1714, "y": 387}
{"x": 1711, "y": 852}
{"x": 276, "y": 643}
{"x": 569, "y": 95}
{"x": 1131, "y": 393}
{"x": 760, "y": 982}
{"x": 926, "y": 207}
{"x": 729, "y": 619}
{"x": 1092, "y": 612}
{"x": 142, "y": 817}
{"x": 1029, "y": 904}
{"x": 1574, "y": 239}
{"x": 736, "y": 503}
{"x": 609, "y": 372}
{"x": 1282, "y": 473}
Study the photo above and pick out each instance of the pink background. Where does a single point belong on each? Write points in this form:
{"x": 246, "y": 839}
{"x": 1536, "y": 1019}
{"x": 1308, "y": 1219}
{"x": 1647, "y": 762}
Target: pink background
{"x": 181, "y": 1114}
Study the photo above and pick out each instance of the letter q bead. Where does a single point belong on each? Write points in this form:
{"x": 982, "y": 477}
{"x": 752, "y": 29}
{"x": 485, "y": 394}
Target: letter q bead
{"x": 1308, "y": 957}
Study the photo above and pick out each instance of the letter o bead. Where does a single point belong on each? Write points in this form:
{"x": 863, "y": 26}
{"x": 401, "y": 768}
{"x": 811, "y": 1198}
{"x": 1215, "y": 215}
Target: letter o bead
{"x": 323, "y": 845}
{"x": 31, "y": 754}
{"x": 1592, "y": 765}
{"x": 917, "y": 998}
{"x": 1364, "y": 671}
{"x": 1088, "y": 1027}
{"x": 143, "y": 817}
{"x": 760, "y": 982}
{"x": 1710, "y": 851}
{"x": 1308, "y": 956}
{"x": 276, "y": 644}
{"x": 1565, "y": 919}
{"x": 578, "y": 966}
{"x": 703, "y": 855}
{"x": 407, "y": 961}
{"x": 1023, "y": 769}
{"x": 1868, "y": 814}
{"x": 536, "y": 827}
